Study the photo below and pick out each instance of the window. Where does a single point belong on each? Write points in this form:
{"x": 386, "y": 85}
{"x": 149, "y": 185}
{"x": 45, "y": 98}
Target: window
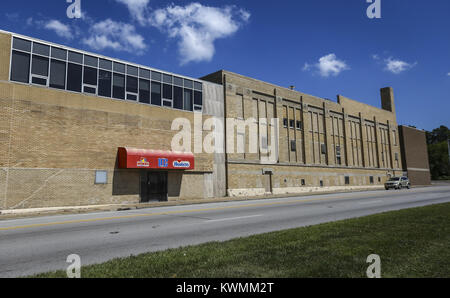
{"x": 371, "y": 179}
{"x": 178, "y": 81}
{"x": 338, "y": 155}
{"x": 299, "y": 125}
{"x": 198, "y": 86}
{"x": 118, "y": 86}
{"x": 188, "y": 99}
{"x": 167, "y": 79}
{"x": 119, "y": 67}
{"x": 132, "y": 70}
{"x": 188, "y": 84}
{"x": 396, "y": 155}
{"x": 39, "y": 70}
{"x": 156, "y": 76}
{"x": 347, "y": 180}
{"x": 57, "y": 74}
{"x": 41, "y": 49}
{"x": 101, "y": 177}
{"x": 104, "y": 83}
{"x": 321, "y": 183}
{"x": 323, "y": 148}
{"x": 198, "y": 100}
{"x": 303, "y": 182}
{"x": 21, "y": 44}
{"x": 75, "y": 57}
{"x": 285, "y": 122}
{"x": 144, "y": 73}
{"x": 291, "y": 123}
{"x": 105, "y": 64}
{"x": 59, "y": 54}
{"x": 132, "y": 88}
{"x": 177, "y": 97}
{"x": 90, "y": 80}
{"x": 20, "y": 67}
{"x": 156, "y": 93}
{"x": 144, "y": 91}
{"x": 293, "y": 146}
{"x": 167, "y": 91}
{"x": 74, "y": 74}
{"x": 90, "y": 61}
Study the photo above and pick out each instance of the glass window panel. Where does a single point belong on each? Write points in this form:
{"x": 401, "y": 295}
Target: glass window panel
{"x": 144, "y": 91}
{"x": 57, "y": 74}
{"x": 39, "y": 66}
{"x": 198, "y": 86}
{"x": 91, "y": 61}
{"x": 132, "y": 70}
{"x": 104, "y": 83}
{"x": 39, "y": 81}
{"x": 167, "y": 103}
{"x": 132, "y": 84}
{"x": 188, "y": 84}
{"x": 59, "y": 53}
{"x": 41, "y": 49}
{"x": 144, "y": 73}
{"x": 118, "y": 86}
{"x": 188, "y": 100}
{"x": 75, "y": 57}
{"x": 156, "y": 76}
{"x": 90, "y": 76}
{"x": 198, "y": 98}
{"x": 178, "y": 81}
{"x": 156, "y": 93}
{"x": 21, "y": 44}
{"x": 167, "y": 91}
{"x": 167, "y": 79}
{"x": 131, "y": 96}
{"x": 178, "y": 97}
{"x": 74, "y": 75}
{"x": 106, "y": 64}
{"x": 88, "y": 89}
{"x": 119, "y": 67}
{"x": 20, "y": 67}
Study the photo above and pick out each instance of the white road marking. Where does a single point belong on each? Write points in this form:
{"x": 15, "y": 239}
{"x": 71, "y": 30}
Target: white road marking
{"x": 234, "y": 218}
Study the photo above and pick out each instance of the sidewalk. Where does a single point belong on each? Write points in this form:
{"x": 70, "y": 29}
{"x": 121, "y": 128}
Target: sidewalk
{"x": 32, "y": 212}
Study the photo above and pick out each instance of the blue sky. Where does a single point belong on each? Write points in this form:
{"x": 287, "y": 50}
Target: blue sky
{"x": 323, "y": 47}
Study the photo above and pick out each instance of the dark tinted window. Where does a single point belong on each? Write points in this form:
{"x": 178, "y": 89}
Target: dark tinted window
{"x": 119, "y": 67}
{"x": 347, "y": 180}
{"x": 198, "y": 86}
{"x": 132, "y": 84}
{"x": 90, "y": 76}
{"x": 104, "y": 83}
{"x": 59, "y": 53}
{"x": 178, "y": 97}
{"x": 144, "y": 91}
{"x": 167, "y": 79}
{"x": 293, "y": 146}
{"x": 132, "y": 70}
{"x": 198, "y": 98}
{"x": 105, "y": 64}
{"x": 20, "y": 67}
{"x": 118, "y": 86}
{"x": 39, "y": 81}
{"x": 39, "y": 66}
{"x": 156, "y": 93}
{"x": 167, "y": 91}
{"x": 74, "y": 75}
{"x": 178, "y": 81}
{"x": 75, "y": 57}
{"x": 144, "y": 73}
{"x": 188, "y": 84}
{"x": 88, "y": 89}
{"x": 57, "y": 74}
{"x": 156, "y": 76}
{"x": 188, "y": 100}
{"x": 91, "y": 61}
{"x": 21, "y": 44}
{"x": 41, "y": 49}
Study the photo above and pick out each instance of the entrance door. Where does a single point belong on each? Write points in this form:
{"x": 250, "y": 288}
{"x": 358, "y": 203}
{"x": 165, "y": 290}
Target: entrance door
{"x": 153, "y": 186}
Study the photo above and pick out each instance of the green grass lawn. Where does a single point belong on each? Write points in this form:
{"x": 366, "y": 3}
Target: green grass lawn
{"x": 411, "y": 243}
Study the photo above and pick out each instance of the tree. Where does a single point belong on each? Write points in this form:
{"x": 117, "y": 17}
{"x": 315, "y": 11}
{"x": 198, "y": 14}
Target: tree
{"x": 438, "y": 154}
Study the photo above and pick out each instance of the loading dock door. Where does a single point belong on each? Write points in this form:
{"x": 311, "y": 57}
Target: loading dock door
{"x": 153, "y": 186}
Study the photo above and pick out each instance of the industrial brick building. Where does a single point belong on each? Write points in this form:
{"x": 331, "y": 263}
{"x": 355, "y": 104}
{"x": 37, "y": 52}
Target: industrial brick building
{"x": 77, "y": 128}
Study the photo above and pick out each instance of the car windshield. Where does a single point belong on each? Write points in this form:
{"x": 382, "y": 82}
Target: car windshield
{"x": 394, "y": 179}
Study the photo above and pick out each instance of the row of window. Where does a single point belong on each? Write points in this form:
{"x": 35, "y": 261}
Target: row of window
{"x": 298, "y": 124}
{"x": 57, "y": 68}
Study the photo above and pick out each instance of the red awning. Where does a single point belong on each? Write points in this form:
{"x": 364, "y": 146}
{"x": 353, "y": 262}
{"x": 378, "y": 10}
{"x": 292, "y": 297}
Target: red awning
{"x": 132, "y": 158}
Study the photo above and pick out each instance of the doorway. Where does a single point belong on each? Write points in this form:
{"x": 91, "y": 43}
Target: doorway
{"x": 153, "y": 186}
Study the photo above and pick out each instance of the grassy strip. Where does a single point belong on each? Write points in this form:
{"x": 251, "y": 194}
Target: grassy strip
{"x": 411, "y": 243}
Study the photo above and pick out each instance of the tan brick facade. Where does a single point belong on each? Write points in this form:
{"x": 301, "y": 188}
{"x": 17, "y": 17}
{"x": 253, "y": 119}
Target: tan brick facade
{"x": 308, "y": 152}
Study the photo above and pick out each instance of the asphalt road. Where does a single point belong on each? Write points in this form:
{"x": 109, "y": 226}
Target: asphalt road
{"x": 34, "y": 245}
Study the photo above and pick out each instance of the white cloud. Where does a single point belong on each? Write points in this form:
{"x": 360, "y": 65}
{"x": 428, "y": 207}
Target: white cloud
{"x": 448, "y": 74}
{"x": 137, "y": 8}
{"x": 115, "y": 35}
{"x": 59, "y": 28}
{"x": 397, "y": 66}
{"x": 328, "y": 65}
{"x": 197, "y": 27}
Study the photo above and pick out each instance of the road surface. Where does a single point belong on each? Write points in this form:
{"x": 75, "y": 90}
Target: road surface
{"x": 34, "y": 245}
